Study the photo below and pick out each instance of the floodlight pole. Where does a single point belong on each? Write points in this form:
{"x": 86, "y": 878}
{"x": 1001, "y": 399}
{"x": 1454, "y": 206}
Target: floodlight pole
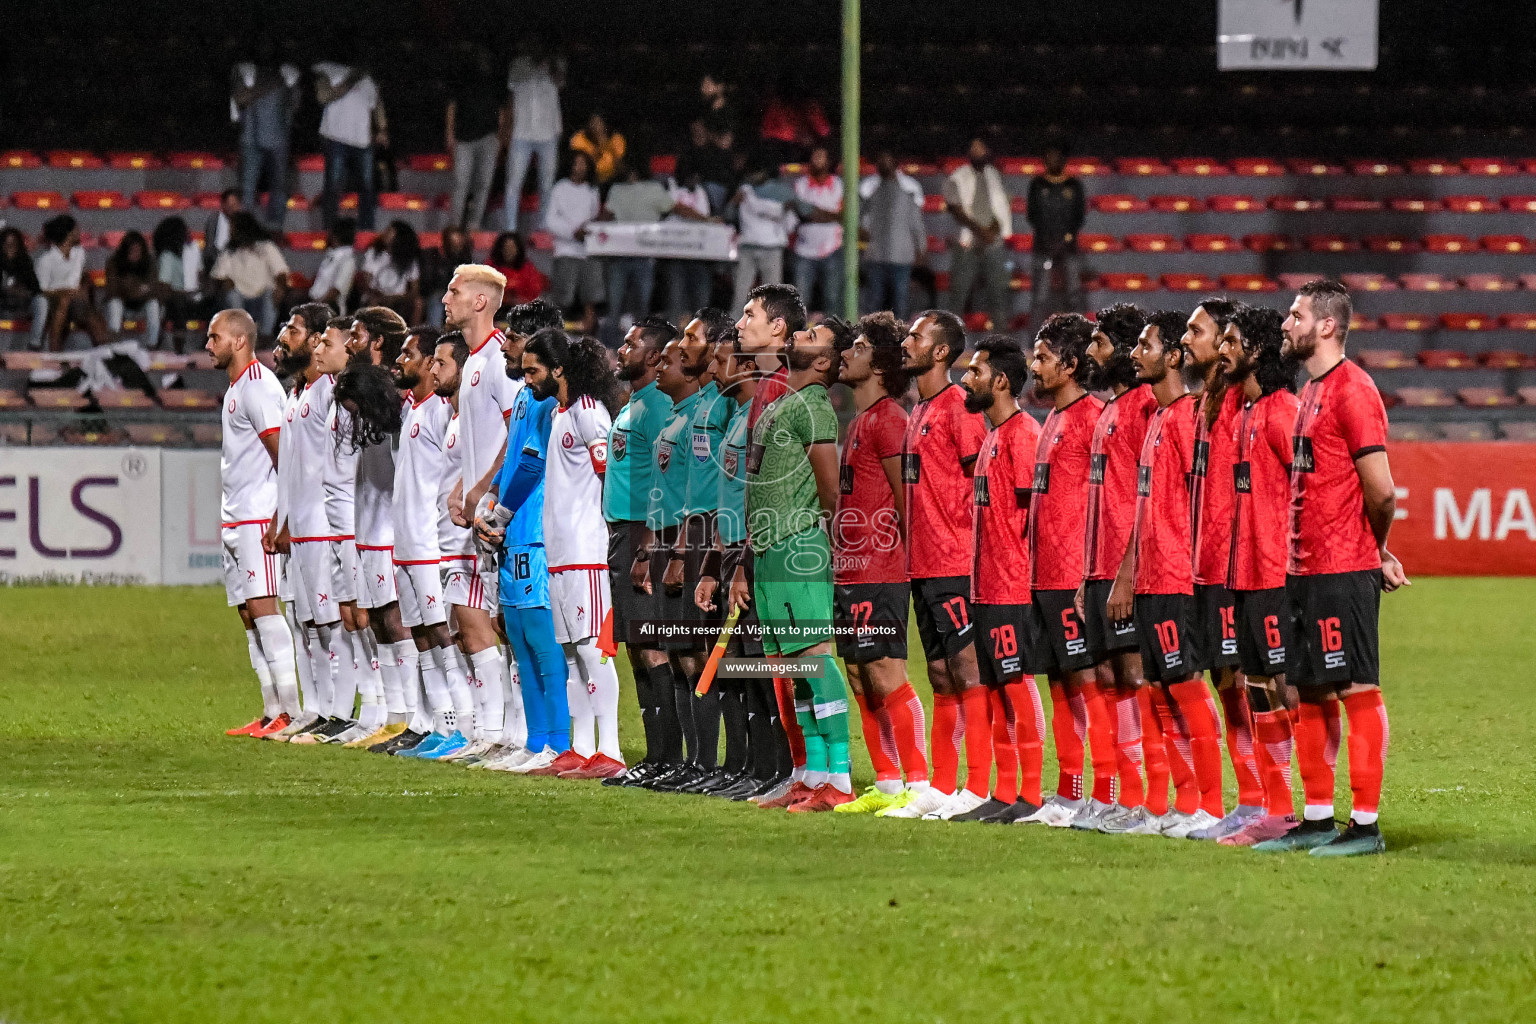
{"x": 851, "y": 159}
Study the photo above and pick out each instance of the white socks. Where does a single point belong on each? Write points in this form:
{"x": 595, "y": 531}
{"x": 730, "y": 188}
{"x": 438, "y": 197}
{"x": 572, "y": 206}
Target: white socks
{"x": 580, "y": 702}
{"x": 488, "y": 666}
{"x": 324, "y": 668}
{"x": 456, "y": 668}
{"x": 269, "y": 705}
{"x": 599, "y": 682}
{"x": 514, "y": 726}
{"x": 343, "y": 657}
{"x": 435, "y": 681}
{"x": 302, "y": 661}
{"x": 370, "y": 681}
{"x": 277, "y": 647}
{"x": 394, "y": 688}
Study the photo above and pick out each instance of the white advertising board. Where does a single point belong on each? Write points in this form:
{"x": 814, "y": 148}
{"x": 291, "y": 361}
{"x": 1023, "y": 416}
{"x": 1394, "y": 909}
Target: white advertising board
{"x": 673, "y": 240}
{"x": 1297, "y": 34}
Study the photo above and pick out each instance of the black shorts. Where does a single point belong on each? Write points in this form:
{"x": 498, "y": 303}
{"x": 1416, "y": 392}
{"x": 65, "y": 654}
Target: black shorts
{"x": 677, "y": 607}
{"x": 1263, "y": 631}
{"x": 1061, "y": 641}
{"x": 747, "y": 637}
{"x": 1334, "y": 628}
{"x": 1104, "y": 637}
{"x": 1215, "y": 628}
{"x": 632, "y": 609}
{"x": 1166, "y": 624}
{"x": 942, "y": 606}
{"x": 870, "y": 620}
{"x": 1007, "y": 644}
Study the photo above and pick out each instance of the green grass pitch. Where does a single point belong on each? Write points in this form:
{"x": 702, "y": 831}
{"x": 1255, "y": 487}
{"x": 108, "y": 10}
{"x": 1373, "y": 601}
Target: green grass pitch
{"x": 153, "y": 870}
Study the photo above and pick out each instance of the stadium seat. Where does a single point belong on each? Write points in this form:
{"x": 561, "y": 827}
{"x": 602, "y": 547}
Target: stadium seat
{"x": 160, "y": 434}
{"x": 528, "y": 202}
{"x": 1314, "y": 168}
{"x": 1331, "y": 243}
{"x": 206, "y": 200}
{"x": 1088, "y": 166}
{"x": 1293, "y": 282}
{"x": 1127, "y": 282}
{"x": 208, "y": 435}
{"x": 1469, "y": 204}
{"x": 1295, "y": 204}
{"x": 1119, "y": 204}
{"x": 1527, "y": 394}
{"x": 97, "y": 277}
{"x": 19, "y": 160}
{"x": 1425, "y": 398}
{"x": 1019, "y": 204}
{"x": 1427, "y": 282}
{"x": 936, "y": 243}
{"x": 933, "y": 204}
{"x": 1491, "y": 398}
{"x": 1257, "y": 167}
{"x": 295, "y": 202}
{"x": 941, "y": 280}
{"x": 1415, "y": 322}
{"x": 1411, "y": 431}
{"x": 1506, "y": 243}
{"x": 111, "y": 239}
{"x": 299, "y": 282}
{"x": 57, "y": 398}
{"x": 136, "y": 161}
{"x": 1176, "y": 204}
{"x": 1374, "y": 168}
{"x": 1024, "y": 166}
{"x": 1520, "y": 204}
{"x": 1368, "y": 282}
{"x": 37, "y": 201}
{"x": 1518, "y": 430}
{"x": 1199, "y": 167}
{"x": 18, "y": 324}
{"x": 160, "y": 200}
{"x": 1444, "y": 359}
{"x": 196, "y": 161}
{"x": 401, "y": 201}
{"x": 1268, "y": 243}
{"x": 1433, "y": 167}
{"x": 541, "y": 241}
{"x": 114, "y": 398}
{"x": 1189, "y": 282}
{"x": 1248, "y": 283}
{"x": 1384, "y": 359}
{"x": 1141, "y": 166}
{"x": 482, "y": 240}
{"x": 1504, "y": 359}
{"x": 159, "y": 359}
{"x": 1233, "y": 204}
{"x": 1480, "y": 430}
{"x": 302, "y": 240}
{"x": 26, "y": 433}
{"x": 73, "y": 159}
{"x": 1490, "y": 168}
{"x": 29, "y": 361}
{"x": 429, "y": 162}
{"x": 1025, "y": 242}
{"x": 1518, "y": 321}
{"x": 1152, "y": 243}
{"x": 977, "y": 322}
{"x": 1468, "y": 321}
{"x": 1404, "y": 204}
{"x": 12, "y": 399}
{"x": 1210, "y": 243}
{"x": 184, "y": 398}
{"x": 310, "y": 162}
{"x": 1354, "y": 204}
{"x": 364, "y": 239}
{"x": 1489, "y": 283}
{"x": 100, "y": 199}
{"x": 1391, "y": 243}
{"x": 1449, "y": 243}
{"x": 1098, "y": 243}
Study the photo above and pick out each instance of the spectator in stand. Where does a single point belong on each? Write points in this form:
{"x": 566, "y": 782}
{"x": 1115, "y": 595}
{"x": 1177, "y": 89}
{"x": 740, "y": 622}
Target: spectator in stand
{"x": 974, "y": 196}
{"x": 263, "y": 94}
{"x": 475, "y": 120}
{"x": 793, "y": 122}
{"x": 338, "y": 267}
{"x": 64, "y": 294}
{"x": 216, "y": 228}
{"x": 390, "y": 274}
{"x": 1055, "y": 212}
{"x": 909, "y": 184}
{"x": 573, "y": 204}
{"x": 178, "y": 265}
{"x": 764, "y": 209}
{"x": 18, "y": 279}
{"x": 709, "y": 162}
{"x": 534, "y": 79}
{"x": 717, "y": 109}
{"x": 132, "y": 283}
{"x": 438, "y": 265}
{"x": 819, "y": 239}
{"x": 252, "y": 272}
{"x": 351, "y": 123}
{"x": 524, "y": 280}
{"x": 689, "y": 281}
{"x": 632, "y": 200}
{"x": 893, "y": 226}
{"x": 604, "y": 147}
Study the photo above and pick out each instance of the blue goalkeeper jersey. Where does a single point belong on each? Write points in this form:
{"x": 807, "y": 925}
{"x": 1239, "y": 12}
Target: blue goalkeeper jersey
{"x": 524, "y": 578}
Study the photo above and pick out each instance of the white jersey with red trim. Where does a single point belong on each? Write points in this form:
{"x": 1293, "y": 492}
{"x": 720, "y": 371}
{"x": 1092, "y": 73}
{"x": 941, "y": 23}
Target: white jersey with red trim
{"x": 287, "y": 463}
{"x": 374, "y": 490}
{"x": 452, "y": 539}
{"x": 486, "y": 394}
{"x": 308, "y": 420}
{"x": 421, "y": 465}
{"x": 253, "y": 409}
{"x": 340, "y": 473}
{"x": 575, "y": 532}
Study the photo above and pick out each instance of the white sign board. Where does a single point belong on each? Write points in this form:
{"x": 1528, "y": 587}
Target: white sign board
{"x": 190, "y": 548}
{"x": 672, "y": 240}
{"x": 1296, "y": 34}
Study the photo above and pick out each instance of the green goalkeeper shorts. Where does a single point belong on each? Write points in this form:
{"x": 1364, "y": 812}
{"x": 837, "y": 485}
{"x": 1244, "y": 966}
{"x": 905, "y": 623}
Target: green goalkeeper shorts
{"x": 793, "y": 593}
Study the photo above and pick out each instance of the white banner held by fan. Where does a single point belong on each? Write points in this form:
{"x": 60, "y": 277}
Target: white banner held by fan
{"x": 672, "y": 240}
{"x": 1297, "y": 34}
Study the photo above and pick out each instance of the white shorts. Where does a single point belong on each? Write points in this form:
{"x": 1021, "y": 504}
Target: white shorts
{"x": 289, "y": 590}
{"x": 376, "y": 577}
{"x": 420, "y": 587}
{"x": 319, "y": 579}
{"x": 248, "y": 570}
{"x": 461, "y": 583}
{"x": 347, "y": 585}
{"x": 578, "y": 598}
{"x": 488, "y": 593}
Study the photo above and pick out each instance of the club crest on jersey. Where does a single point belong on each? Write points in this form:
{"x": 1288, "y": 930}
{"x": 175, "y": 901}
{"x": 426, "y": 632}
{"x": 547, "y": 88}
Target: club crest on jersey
{"x": 474, "y": 378}
{"x": 232, "y": 406}
{"x": 567, "y": 441}
{"x": 452, "y": 440}
{"x": 620, "y": 443}
{"x": 663, "y": 456}
{"x": 304, "y": 411}
{"x": 731, "y": 461}
{"x": 924, "y": 430}
{"x": 290, "y": 411}
{"x": 415, "y": 429}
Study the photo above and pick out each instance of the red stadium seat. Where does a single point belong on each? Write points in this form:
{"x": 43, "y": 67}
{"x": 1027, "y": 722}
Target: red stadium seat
{"x": 1415, "y": 322}
{"x": 1210, "y": 243}
{"x": 116, "y": 398}
{"x": 1489, "y": 283}
{"x": 1088, "y": 166}
{"x": 1019, "y": 204}
{"x": 160, "y": 200}
{"x": 1354, "y": 204}
{"x": 1520, "y": 204}
{"x": 1268, "y": 243}
{"x": 1368, "y": 282}
{"x": 1504, "y": 359}
{"x": 1444, "y": 359}
{"x": 158, "y": 434}
{"x": 1469, "y": 321}
{"x": 57, "y": 398}
{"x": 184, "y": 398}
{"x": 1019, "y": 322}
{"x": 529, "y": 202}
{"x": 1425, "y": 398}
{"x": 1412, "y": 205}
{"x": 1518, "y": 321}
{"x": 1374, "y": 168}
{"x": 1519, "y": 430}
{"x": 133, "y": 161}
{"x": 1119, "y": 204}
{"x": 401, "y": 201}
{"x": 1233, "y": 204}
{"x": 1248, "y": 283}
{"x": 1314, "y": 168}
{"x": 100, "y": 199}
{"x": 1427, "y": 282}
{"x": 306, "y": 240}
{"x": 429, "y": 162}
{"x": 73, "y": 159}
{"x": 933, "y": 204}
{"x": 1296, "y": 204}
{"x": 1479, "y": 431}
{"x": 1433, "y": 167}
{"x": 665, "y": 165}
{"x": 1331, "y": 243}
{"x": 1024, "y": 242}
{"x": 1015, "y": 165}
{"x": 298, "y": 281}
{"x": 97, "y": 277}
{"x": 1505, "y": 243}
{"x": 1391, "y": 243}
{"x": 196, "y": 161}
{"x": 541, "y": 241}
{"x": 19, "y": 160}
{"x": 1176, "y": 204}
{"x": 482, "y": 240}
{"x": 1384, "y": 359}
{"x": 1257, "y": 167}
{"x": 1489, "y": 167}
{"x": 1410, "y": 430}
{"x": 1469, "y": 204}
{"x": 1199, "y": 167}
{"x": 1189, "y": 282}
{"x": 1127, "y": 282}
{"x": 206, "y": 200}
{"x": 12, "y": 399}
{"x": 1449, "y": 243}
{"x": 112, "y": 239}
{"x": 1142, "y": 166}
{"x": 364, "y": 239}
{"x": 37, "y": 201}
{"x": 310, "y": 162}
{"x": 1527, "y": 395}
{"x": 430, "y": 239}
{"x": 977, "y": 322}
{"x": 1152, "y": 243}
{"x": 1489, "y": 398}
{"x": 28, "y": 361}
{"x": 936, "y": 243}
{"x": 1098, "y": 243}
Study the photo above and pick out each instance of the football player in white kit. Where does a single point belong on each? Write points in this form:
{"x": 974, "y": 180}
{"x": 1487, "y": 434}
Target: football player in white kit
{"x": 252, "y": 421}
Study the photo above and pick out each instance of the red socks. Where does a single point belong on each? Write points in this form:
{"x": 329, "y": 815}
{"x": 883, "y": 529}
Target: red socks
{"x": 977, "y": 725}
{"x": 877, "y": 737}
{"x": 1069, "y": 724}
{"x": 1181, "y": 765}
{"x": 945, "y": 741}
{"x": 1154, "y": 753}
{"x": 1029, "y": 735}
{"x": 1101, "y": 742}
{"x": 1369, "y": 737}
{"x": 1234, "y": 706}
{"x": 1199, "y": 716}
{"x": 1317, "y": 750}
{"x": 1128, "y": 755}
{"x": 1272, "y": 751}
{"x": 909, "y": 729}
{"x": 1004, "y": 745}
{"x": 784, "y": 690}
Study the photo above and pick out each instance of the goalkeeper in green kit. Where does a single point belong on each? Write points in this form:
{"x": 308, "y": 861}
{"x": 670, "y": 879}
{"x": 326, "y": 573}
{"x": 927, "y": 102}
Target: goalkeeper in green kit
{"x": 792, "y": 485}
